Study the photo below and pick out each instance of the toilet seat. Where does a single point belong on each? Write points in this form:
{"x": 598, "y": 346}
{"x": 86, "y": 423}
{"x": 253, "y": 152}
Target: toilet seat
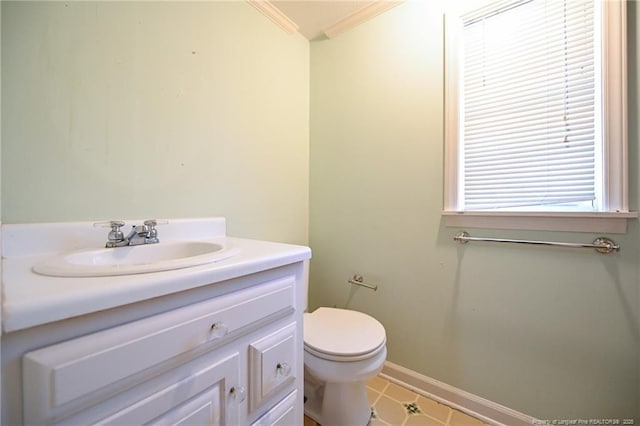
{"x": 342, "y": 335}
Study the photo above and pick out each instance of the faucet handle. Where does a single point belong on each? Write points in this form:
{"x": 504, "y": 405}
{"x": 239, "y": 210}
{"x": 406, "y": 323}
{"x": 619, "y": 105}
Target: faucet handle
{"x": 115, "y": 235}
{"x": 152, "y": 232}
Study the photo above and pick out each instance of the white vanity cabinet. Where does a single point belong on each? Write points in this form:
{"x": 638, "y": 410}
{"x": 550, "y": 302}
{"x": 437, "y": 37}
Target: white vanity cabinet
{"x": 234, "y": 358}
{"x": 218, "y": 343}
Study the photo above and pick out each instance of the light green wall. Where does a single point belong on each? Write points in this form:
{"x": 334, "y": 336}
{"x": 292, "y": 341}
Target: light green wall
{"x": 551, "y": 332}
{"x": 154, "y": 109}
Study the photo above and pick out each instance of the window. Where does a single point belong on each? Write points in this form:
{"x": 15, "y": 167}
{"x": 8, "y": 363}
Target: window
{"x": 536, "y": 116}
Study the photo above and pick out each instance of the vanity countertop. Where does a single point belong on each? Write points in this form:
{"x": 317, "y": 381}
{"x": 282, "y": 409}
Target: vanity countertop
{"x": 30, "y": 299}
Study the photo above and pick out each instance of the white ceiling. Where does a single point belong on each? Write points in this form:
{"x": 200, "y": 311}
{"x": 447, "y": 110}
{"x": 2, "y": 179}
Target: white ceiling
{"x": 313, "y": 17}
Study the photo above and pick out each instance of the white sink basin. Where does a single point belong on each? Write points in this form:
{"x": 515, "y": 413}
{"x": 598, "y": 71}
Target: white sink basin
{"x": 164, "y": 256}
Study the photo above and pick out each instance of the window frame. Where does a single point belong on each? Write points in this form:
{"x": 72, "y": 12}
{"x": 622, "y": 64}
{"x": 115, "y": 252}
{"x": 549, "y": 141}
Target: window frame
{"x": 615, "y": 214}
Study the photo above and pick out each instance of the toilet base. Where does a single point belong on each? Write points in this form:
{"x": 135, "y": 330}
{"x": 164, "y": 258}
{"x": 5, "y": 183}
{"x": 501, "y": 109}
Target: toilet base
{"x": 337, "y": 404}
{"x": 336, "y": 392}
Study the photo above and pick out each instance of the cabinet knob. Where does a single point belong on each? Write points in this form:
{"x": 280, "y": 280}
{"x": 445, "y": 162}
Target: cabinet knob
{"x": 218, "y": 330}
{"x": 238, "y": 393}
{"x": 283, "y": 368}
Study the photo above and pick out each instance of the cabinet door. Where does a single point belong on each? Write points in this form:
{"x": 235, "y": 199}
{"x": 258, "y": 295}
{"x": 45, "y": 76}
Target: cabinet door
{"x": 199, "y": 393}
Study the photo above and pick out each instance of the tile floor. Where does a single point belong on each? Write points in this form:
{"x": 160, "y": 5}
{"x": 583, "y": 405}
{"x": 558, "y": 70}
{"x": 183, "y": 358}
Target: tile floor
{"x": 394, "y": 405}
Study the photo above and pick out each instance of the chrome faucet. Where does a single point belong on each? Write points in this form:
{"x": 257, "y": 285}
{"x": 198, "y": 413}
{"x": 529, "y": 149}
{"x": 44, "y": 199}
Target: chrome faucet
{"x": 140, "y": 234}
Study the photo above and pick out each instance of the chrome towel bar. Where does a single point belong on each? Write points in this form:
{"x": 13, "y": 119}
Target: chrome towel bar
{"x": 358, "y": 280}
{"x": 600, "y": 244}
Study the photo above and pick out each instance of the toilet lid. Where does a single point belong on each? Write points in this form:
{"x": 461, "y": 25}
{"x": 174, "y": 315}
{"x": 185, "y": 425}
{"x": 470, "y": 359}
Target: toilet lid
{"x": 342, "y": 332}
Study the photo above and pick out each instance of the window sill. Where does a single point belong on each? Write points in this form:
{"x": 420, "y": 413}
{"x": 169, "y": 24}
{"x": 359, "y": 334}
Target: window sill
{"x": 612, "y": 223}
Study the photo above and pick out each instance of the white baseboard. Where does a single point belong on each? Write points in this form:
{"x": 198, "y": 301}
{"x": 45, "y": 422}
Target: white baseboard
{"x": 483, "y": 409}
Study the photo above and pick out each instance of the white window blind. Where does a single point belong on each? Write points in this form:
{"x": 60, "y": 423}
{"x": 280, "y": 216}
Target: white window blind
{"x": 530, "y": 126}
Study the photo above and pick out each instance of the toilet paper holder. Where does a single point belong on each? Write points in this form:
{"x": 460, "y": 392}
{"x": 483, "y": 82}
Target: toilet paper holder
{"x": 358, "y": 280}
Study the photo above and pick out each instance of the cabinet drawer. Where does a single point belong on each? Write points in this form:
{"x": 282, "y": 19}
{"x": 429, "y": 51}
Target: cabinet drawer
{"x": 272, "y": 364}
{"x": 66, "y": 372}
{"x": 283, "y": 414}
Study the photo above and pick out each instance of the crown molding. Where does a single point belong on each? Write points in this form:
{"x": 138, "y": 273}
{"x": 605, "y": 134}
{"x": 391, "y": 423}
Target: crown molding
{"x": 273, "y": 13}
{"x": 359, "y": 17}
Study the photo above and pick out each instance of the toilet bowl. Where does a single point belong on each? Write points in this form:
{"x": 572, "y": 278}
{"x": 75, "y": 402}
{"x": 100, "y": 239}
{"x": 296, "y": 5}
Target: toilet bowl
{"x": 342, "y": 350}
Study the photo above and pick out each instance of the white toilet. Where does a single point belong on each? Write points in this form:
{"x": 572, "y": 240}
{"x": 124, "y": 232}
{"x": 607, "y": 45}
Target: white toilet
{"x": 342, "y": 350}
